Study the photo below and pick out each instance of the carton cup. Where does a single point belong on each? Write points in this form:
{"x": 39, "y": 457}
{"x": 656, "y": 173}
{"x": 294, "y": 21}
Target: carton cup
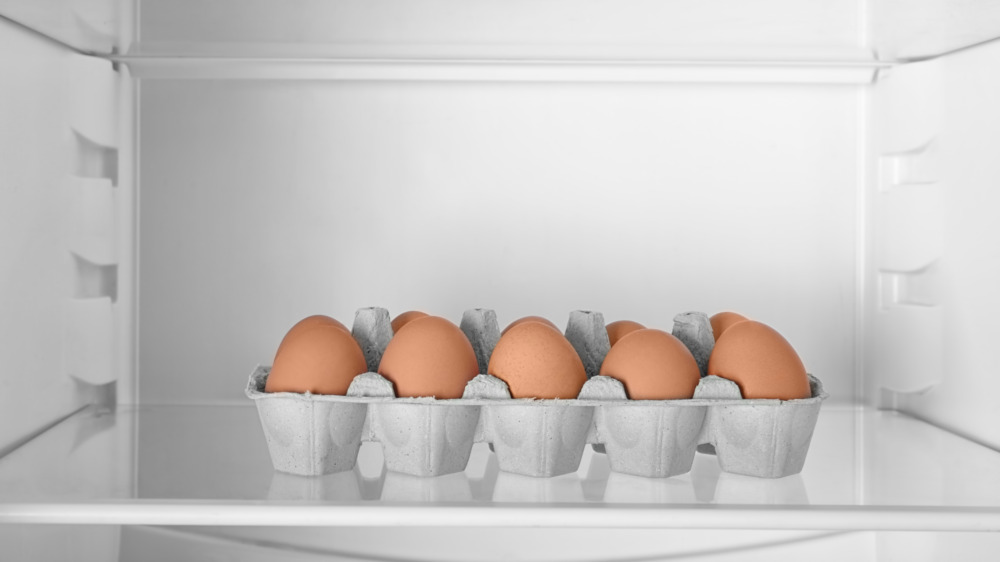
{"x": 656, "y": 441}
{"x": 763, "y": 438}
{"x": 762, "y": 441}
{"x": 309, "y": 437}
{"x": 425, "y": 439}
{"x": 539, "y": 439}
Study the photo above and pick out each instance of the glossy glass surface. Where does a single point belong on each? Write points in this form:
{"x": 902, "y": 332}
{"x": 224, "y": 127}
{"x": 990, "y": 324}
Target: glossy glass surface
{"x": 185, "y": 461}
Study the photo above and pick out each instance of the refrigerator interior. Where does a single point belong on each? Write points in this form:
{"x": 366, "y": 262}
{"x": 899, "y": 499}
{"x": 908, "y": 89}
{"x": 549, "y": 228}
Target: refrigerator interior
{"x": 182, "y": 181}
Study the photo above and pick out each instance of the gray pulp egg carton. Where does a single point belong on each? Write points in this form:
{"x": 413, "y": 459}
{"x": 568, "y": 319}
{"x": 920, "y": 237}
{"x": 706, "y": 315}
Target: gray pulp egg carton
{"x": 311, "y": 434}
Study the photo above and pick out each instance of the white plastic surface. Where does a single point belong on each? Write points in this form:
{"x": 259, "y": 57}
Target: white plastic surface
{"x": 267, "y": 201}
{"x": 89, "y": 337}
{"x": 273, "y": 181}
{"x": 94, "y": 230}
{"x": 931, "y": 337}
{"x": 37, "y": 273}
{"x": 970, "y": 269}
{"x": 94, "y": 103}
{"x": 909, "y": 30}
{"x": 870, "y": 30}
{"x": 504, "y": 71}
{"x": 58, "y": 543}
{"x": 547, "y": 29}
{"x": 95, "y": 26}
{"x": 930, "y": 547}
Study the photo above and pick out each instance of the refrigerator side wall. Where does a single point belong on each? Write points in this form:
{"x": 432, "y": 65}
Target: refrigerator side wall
{"x": 944, "y": 157}
{"x": 58, "y": 260}
{"x": 92, "y": 26}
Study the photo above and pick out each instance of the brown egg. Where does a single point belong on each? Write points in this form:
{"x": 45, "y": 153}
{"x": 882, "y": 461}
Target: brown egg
{"x": 429, "y": 356}
{"x": 723, "y": 320}
{"x": 760, "y": 361}
{"x": 520, "y": 321}
{"x": 317, "y": 355}
{"x": 537, "y": 361}
{"x": 653, "y": 365}
{"x": 404, "y": 318}
{"x": 618, "y": 330}
{"x": 308, "y": 322}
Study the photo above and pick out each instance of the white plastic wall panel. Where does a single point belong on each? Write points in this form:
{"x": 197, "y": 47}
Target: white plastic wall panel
{"x": 969, "y": 268}
{"x": 930, "y": 547}
{"x": 92, "y": 26}
{"x": 906, "y": 235}
{"x": 911, "y": 30}
{"x": 687, "y": 29}
{"x": 602, "y": 29}
{"x": 94, "y": 99}
{"x": 57, "y": 543}
{"x": 37, "y": 274}
{"x": 93, "y": 227}
{"x": 90, "y": 345}
{"x": 267, "y": 201}
{"x": 717, "y": 29}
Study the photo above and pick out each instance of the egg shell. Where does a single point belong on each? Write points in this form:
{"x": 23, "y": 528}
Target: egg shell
{"x": 539, "y": 319}
{"x": 761, "y": 361}
{"x": 405, "y": 318}
{"x": 536, "y": 361}
{"x": 722, "y": 322}
{"x": 620, "y": 328}
{"x": 307, "y": 323}
{"x": 317, "y": 355}
{"x": 653, "y": 365}
{"x": 429, "y": 356}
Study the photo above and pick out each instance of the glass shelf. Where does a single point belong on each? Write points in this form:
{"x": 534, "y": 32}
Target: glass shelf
{"x": 208, "y": 465}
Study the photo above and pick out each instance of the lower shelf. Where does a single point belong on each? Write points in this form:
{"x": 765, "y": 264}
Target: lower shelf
{"x": 202, "y": 465}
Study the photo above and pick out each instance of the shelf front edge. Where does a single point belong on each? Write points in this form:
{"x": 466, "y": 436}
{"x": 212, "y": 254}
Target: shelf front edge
{"x": 842, "y": 518}
{"x": 502, "y": 71}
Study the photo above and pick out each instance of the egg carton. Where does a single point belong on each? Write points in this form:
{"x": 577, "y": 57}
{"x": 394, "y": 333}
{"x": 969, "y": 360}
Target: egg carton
{"x": 312, "y": 434}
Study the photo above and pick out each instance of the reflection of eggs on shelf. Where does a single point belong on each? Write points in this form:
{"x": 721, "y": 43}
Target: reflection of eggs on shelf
{"x": 317, "y": 355}
{"x": 760, "y": 361}
{"x": 619, "y": 329}
{"x": 722, "y": 322}
{"x": 653, "y": 365}
{"x": 405, "y": 318}
{"x": 537, "y": 361}
{"x": 526, "y": 319}
{"x": 429, "y": 356}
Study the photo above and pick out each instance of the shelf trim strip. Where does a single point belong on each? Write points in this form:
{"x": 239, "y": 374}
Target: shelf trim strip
{"x": 502, "y": 71}
{"x": 846, "y": 518}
